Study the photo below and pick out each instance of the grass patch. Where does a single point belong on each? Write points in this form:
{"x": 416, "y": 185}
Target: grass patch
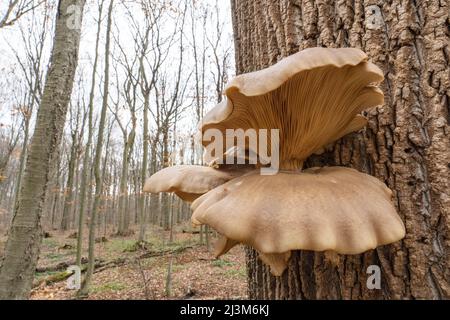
{"x": 108, "y": 287}
{"x": 49, "y": 242}
{"x": 240, "y": 273}
{"x": 55, "y": 256}
{"x": 178, "y": 267}
{"x": 221, "y": 263}
{"x": 120, "y": 245}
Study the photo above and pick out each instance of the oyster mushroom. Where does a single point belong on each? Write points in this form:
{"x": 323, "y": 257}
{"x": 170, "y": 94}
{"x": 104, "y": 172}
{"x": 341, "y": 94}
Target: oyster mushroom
{"x": 190, "y": 182}
{"x": 332, "y": 208}
{"x": 313, "y": 97}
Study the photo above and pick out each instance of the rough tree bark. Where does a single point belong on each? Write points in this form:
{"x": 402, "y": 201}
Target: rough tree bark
{"x": 406, "y": 144}
{"x": 22, "y": 247}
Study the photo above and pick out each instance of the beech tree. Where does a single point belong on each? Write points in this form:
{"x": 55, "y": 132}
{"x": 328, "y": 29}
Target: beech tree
{"x": 404, "y": 145}
{"x": 25, "y": 235}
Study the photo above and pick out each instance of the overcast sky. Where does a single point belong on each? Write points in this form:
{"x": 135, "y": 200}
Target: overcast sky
{"x": 12, "y": 79}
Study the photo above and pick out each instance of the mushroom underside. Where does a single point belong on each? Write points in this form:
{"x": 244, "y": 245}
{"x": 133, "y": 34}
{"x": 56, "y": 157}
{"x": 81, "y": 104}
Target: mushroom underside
{"x": 312, "y": 105}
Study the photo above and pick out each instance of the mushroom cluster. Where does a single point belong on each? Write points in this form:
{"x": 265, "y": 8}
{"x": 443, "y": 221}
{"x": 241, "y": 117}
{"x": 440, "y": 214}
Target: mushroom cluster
{"x": 313, "y": 97}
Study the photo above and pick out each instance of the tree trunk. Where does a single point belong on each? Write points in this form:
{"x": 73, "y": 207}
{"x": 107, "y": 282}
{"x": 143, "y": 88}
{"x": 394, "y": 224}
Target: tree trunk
{"x": 86, "y": 174}
{"x": 97, "y": 161}
{"x": 128, "y": 142}
{"x": 142, "y": 197}
{"x": 22, "y": 247}
{"x": 165, "y": 210}
{"x": 69, "y": 194}
{"x": 405, "y": 144}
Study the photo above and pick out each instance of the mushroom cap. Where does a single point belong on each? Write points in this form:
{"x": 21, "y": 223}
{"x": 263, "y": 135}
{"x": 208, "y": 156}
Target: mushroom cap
{"x": 189, "y": 182}
{"x": 332, "y": 208}
{"x": 313, "y": 97}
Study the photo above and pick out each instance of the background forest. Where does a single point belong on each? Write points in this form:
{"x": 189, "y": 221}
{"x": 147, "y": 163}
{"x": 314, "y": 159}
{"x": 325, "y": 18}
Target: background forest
{"x": 157, "y": 66}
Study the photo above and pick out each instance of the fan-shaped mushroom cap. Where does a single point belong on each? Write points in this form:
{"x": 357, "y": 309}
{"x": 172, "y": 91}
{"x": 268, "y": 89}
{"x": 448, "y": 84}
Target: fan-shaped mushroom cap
{"x": 313, "y": 97}
{"x": 190, "y": 182}
{"x": 332, "y": 208}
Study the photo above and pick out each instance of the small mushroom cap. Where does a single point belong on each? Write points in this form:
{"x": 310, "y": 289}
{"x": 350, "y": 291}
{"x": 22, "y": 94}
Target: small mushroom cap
{"x": 332, "y": 208}
{"x": 189, "y": 182}
{"x": 313, "y": 97}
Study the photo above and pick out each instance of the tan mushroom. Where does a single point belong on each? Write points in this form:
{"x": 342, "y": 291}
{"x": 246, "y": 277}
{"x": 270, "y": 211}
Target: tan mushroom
{"x": 190, "y": 182}
{"x": 332, "y": 208}
{"x": 313, "y": 97}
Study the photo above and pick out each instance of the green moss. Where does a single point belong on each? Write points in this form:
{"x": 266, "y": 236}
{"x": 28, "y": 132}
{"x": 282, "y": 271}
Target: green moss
{"x": 39, "y": 275}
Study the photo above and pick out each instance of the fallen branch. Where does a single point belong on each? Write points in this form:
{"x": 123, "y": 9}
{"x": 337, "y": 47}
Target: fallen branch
{"x": 164, "y": 252}
{"x": 195, "y": 231}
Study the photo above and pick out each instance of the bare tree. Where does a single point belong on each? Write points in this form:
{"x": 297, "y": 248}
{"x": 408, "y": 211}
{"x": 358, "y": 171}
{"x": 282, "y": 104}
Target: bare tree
{"x": 15, "y": 9}
{"x": 220, "y": 55}
{"x": 151, "y": 48}
{"x": 22, "y": 247}
{"x": 77, "y": 121}
{"x": 128, "y": 92}
{"x": 85, "y": 178}
{"x": 32, "y": 67}
{"x": 98, "y": 155}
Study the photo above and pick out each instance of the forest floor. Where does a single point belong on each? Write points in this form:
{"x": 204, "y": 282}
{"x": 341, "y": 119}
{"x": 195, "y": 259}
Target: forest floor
{"x": 127, "y": 271}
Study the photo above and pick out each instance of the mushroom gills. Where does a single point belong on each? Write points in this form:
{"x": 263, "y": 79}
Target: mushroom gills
{"x": 313, "y": 97}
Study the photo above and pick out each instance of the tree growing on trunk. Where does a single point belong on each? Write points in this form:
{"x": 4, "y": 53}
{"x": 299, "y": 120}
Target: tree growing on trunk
{"x": 404, "y": 145}
{"x": 22, "y": 247}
